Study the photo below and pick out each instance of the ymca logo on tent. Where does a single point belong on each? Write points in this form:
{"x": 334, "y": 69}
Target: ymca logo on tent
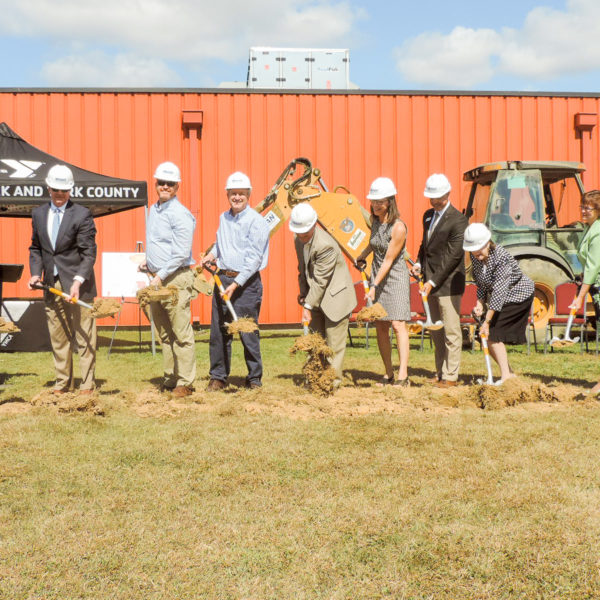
{"x": 23, "y": 169}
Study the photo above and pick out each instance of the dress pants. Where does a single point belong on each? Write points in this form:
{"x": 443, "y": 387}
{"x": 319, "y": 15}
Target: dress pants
{"x": 68, "y": 323}
{"x": 447, "y": 341}
{"x": 174, "y": 327}
{"x": 246, "y": 301}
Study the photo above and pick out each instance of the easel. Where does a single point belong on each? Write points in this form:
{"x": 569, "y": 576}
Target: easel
{"x": 139, "y": 248}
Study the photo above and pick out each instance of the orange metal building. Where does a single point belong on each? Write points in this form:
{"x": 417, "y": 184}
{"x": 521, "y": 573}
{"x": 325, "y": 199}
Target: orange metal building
{"x": 352, "y": 137}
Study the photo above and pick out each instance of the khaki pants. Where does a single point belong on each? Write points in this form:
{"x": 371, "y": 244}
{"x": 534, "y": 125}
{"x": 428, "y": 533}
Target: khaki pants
{"x": 447, "y": 341}
{"x": 67, "y": 323}
{"x": 335, "y": 334}
{"x": 174, "y": 327}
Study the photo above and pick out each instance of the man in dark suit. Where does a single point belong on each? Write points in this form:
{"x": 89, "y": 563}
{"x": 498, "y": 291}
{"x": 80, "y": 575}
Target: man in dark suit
{"x": 441, "y": 262}
{"x": 326, "y": 288}
{"x": 62, "y": 255}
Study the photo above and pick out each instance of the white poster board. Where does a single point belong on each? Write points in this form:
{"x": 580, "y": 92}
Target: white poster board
{"x": 120, "y": 275}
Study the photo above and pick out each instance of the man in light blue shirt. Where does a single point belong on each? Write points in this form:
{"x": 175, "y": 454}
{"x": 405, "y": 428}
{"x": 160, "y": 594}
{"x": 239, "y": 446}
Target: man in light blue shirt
{"x": 169, "y": 234}
{"x": 241, "y": 252}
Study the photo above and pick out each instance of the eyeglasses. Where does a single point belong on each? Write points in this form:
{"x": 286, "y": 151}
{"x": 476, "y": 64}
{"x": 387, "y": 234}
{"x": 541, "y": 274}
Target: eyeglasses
{"x": 162, "y": 183}
{"x": 379, "y": 201}
{"x": 57, "y": 191}
{"x": 586, "y": 208}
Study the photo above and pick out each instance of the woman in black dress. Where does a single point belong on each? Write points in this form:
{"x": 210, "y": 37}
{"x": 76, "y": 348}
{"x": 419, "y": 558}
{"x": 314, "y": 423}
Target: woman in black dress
{"x": 503, "y": 289}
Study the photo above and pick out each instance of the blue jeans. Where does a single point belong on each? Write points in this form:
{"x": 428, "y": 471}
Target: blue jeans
{"x": 246, "y": 302}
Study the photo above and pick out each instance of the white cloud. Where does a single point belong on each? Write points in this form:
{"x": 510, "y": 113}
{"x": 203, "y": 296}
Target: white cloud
{"x": 97, "y": 69}
{"x": 184, "y": 30}
{"x": 550, "y": 44}
{"x": 460, "y": 59}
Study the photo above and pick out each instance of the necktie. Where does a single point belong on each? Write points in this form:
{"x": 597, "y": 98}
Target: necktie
{"x": 434, "y": 220}
{"x": 55, "y": 226}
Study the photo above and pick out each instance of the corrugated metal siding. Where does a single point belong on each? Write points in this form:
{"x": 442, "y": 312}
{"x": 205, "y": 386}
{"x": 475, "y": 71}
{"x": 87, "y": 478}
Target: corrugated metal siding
{"x": 352, "y": 138}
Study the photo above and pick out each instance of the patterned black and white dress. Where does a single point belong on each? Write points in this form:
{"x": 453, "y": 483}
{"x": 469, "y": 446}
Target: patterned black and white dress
{"x": 393, "y": 293}
{"x": 506, "y": 290}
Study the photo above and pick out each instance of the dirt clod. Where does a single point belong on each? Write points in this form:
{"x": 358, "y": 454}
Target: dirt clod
{"x": 514, "y": 391}
{"x": 166, "y": 294}
{"x": 69, "y": 402}
{"x": 318, "y": 373}
{"x": 370, "y": 313}
{"x": 242, "y": 325}
{"x": 105, "y": 307}
{"x": 8, "y": 326}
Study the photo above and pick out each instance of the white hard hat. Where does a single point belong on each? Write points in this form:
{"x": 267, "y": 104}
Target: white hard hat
{"x": 303, "y": 217}
{"x": 437, "y": 185}
{"x": 168, "y": 171}
{"x": 477, "y": 235}
{"x": 238, "y": 181}
{"x": 382, "y": 187}
{"x": 60, "y": 177}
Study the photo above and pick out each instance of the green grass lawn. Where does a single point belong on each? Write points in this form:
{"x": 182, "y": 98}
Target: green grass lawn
{"x": 219, "y": 499}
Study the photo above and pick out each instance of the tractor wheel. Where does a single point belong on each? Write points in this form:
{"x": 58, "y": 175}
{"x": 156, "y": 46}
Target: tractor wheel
{"x": 546, "y": 276}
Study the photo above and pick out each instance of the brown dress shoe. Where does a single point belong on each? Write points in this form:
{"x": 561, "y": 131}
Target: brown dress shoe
{"x": 181, "y": 391}
{"x": 86, "y": 392}
{"x": 214, "y": 385}
{"x": 434, "y": 379}
{"x": 444, "y": 383}
{"x": 59, "y": 392}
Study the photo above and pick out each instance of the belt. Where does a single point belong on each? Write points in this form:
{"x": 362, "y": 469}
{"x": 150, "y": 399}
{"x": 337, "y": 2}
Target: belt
{"x": 229, "y": 273}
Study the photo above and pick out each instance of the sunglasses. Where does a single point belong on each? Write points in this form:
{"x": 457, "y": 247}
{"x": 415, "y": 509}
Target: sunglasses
{"x": 162, "y": 183}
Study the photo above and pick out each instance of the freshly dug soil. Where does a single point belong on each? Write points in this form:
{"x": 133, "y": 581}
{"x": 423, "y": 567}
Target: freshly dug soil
{"x": 8, "y": 326}
{"x": 514, "y": 391}
{"x": 68, "y": 403}
{"x": 243, "y": 325}
{"x": 161, "y": 294}
{"x": 105, "y": 307}
{"x": 318, "y": 373}
{"x": 370, "y": 313}
{"x": 562, "y": 344}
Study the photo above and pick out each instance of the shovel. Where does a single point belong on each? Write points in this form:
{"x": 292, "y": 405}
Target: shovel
{"x": 365, "y": 282}
{"x": 488, "y": 364}
{"x": 63, "y": 295}
{"x": 305, "y": 327}
{"x": 567, "y": 340}
{"x": 429, "y": 323}
{"x": 225, "y": 297}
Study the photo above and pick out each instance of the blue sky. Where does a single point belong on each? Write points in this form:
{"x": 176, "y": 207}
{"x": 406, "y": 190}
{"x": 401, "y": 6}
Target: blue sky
{"x": 548, "y": 45}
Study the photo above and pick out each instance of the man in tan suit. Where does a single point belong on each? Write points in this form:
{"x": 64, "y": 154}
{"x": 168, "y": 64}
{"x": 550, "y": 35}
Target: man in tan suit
{"x": 326, "y": 289}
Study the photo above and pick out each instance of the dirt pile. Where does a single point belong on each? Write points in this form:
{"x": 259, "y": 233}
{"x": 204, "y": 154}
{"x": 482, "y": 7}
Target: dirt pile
{"x": 8, "y": 326}
{"x": 516, "y": 391}
{"x": 318, "y": 373}
{"x": 242, "y": 325}
{"x": 157, "y": 294}
{"x": 69, "y": 402}
{"x": 105, "y": 307}
{"x": 370, "y": 313}
{"x": 562, "y": 343}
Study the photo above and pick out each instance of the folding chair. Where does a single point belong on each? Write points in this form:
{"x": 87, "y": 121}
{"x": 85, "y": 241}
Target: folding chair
{"x": 467, "y": 303}
{"x": 417, "y": 309}
{"x": 360, "y": 303}
{"x": 563, "y": 296}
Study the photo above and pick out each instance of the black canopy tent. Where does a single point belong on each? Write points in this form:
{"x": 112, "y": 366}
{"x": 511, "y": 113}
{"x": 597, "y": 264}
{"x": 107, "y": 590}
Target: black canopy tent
{"x": 23, "y": 170}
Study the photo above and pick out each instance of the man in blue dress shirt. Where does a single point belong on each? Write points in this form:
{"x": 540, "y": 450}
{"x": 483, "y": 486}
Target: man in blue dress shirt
{"x": 169, "y": 234}
{"x": 241, "y": 252}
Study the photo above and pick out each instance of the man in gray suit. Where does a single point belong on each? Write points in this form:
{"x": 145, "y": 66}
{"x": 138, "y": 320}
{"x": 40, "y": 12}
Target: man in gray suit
{"x": 63, "y": 252}
{"x": 326, "y": 289}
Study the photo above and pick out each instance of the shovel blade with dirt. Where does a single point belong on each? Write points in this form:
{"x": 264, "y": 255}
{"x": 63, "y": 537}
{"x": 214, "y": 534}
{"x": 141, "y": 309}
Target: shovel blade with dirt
{"x": 566, "y": 340}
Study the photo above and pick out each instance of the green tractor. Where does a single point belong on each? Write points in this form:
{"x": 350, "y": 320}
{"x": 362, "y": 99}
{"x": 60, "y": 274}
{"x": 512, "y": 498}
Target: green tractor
{"x": 530, "y": 209}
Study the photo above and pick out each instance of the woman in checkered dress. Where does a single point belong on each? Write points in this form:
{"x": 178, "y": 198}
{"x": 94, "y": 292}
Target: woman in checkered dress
{"x": 503, "y": 289}
{"x": 390, "y": 279}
